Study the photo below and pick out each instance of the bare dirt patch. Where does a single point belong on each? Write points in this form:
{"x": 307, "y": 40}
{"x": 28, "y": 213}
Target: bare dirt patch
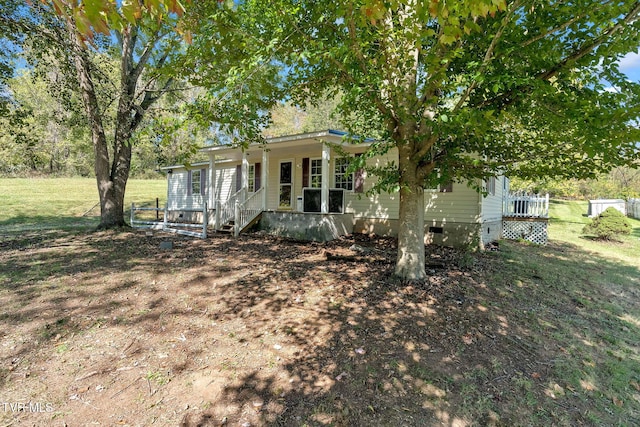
{"x": 108, "y": 329}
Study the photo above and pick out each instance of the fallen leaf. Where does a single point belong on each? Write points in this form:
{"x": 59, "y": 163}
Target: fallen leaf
{"x": 341, "y": 376}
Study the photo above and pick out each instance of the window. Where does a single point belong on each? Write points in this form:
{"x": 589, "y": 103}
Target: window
{"x": 446, "y": 187}
{"x": 315, "y": 173}
{"x": 195, "y": 185}
{"x": 343, "y": 179}
{"x": 286, "y": 184}
{"x": 491, "y": 186}
{"x": 252, "y": 178}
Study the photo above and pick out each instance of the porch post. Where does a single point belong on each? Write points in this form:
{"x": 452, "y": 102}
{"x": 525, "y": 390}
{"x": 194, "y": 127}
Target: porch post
{"x": 245, "y": 173}
{"x": 324, "y": 188}
{"x": 264, "y": 178}
{"x": 212, "y": 184}
{"x": 213, "y": 199}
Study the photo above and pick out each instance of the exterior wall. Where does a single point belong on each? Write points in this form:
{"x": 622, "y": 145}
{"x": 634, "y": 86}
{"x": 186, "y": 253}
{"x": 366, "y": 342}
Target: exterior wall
{"x": 178, "y": 197}
{"x": 492, "y": 203}
{"x": 382, "y": 207}
{"x": 225, "y": 181}
{"x": 491, "y": 212}
{"x": 451, "y": 218}
{"x": 307, "y": 226}
{"x": 352, "y": 204}
{"x": 490, "y": 231}
{"x": 461, "y": 217}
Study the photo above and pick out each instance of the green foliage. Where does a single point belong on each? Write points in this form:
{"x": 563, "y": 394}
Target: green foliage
{"x": 608, "y": 225}
{"x": 289, "y": 119}
{"x": 621, "y": 182}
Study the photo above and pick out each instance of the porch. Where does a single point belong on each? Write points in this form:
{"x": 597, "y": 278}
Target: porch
{"x": 525, "y": 216}
{"x": 295, "y": 184}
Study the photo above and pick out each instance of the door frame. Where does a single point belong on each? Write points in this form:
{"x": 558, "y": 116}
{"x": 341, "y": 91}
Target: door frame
{"x": 290, "y": 184}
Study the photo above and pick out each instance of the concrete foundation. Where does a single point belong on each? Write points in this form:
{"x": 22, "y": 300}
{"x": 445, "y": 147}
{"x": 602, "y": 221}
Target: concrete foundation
{"x": 452, "y": 234}
{"x": 491, "y": 231}
{"x": 307, "y": 226}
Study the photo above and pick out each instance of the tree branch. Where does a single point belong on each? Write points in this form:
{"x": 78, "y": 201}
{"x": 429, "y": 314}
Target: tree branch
{"x": 588, "y": 47}
{"x": 488, "y": 55}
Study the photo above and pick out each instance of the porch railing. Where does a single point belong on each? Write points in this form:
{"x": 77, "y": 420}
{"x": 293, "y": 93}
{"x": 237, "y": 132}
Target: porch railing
{"x": 247, "y": 211}
{"x": 226, "y": 211}
{"x": 523, "y": 205}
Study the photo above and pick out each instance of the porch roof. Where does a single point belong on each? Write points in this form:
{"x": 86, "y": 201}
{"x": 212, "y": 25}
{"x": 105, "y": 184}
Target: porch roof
{"x": 288, "y": 143}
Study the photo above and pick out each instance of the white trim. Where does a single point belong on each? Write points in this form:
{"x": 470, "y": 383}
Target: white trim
{"x": 251, "y": 175}
{"x": 244, "y": 178}
{"x": 265, "y": 177}
{"x": 311, "y": 159}
{"x": 347, "y": 177}
{"x": 324, "y": 188}
{"x": 196, "y": 190}
{"x": 280, "y": 184}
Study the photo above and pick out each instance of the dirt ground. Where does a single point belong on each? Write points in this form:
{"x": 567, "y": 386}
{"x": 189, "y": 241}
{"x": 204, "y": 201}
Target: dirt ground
{"x": 109, "y": 329}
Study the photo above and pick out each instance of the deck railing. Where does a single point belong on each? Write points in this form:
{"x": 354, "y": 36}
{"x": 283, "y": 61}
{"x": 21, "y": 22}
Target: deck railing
{"x": 226, "y": 211}
{"x": 193, "y": 229}
{"x": 523, "y": 205}
{"x": 247, "y": 211}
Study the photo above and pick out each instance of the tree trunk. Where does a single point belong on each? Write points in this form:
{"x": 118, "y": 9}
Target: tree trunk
{"x": 111, "y": 196}
{"x": 410, "y": 261}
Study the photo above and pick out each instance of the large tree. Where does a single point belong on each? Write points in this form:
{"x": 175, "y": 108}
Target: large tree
{"x": 463, "y": 90}
{"x": 143, "y": 46}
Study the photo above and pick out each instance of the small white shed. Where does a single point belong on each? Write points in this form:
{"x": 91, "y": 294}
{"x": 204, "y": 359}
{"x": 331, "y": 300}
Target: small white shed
{"x": 596, "y": 207}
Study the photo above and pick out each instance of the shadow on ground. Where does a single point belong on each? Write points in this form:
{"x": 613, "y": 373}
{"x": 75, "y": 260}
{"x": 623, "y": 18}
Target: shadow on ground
{"x": 265, "y": 331}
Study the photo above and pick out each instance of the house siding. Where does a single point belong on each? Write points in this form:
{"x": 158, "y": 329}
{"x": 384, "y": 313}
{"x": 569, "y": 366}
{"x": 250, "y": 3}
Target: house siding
{"x": 179, "y": 197}
{"x": 492, "y": 204}
{"x": 225, "y": 181}
{"x": 459, "y": 217}
{"x": 178, "y": 191}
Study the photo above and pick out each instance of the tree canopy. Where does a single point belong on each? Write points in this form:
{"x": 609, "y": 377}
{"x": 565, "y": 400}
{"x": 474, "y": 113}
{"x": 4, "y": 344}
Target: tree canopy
{"x": 112, "y": 65}
{"x": 463, "y": 90}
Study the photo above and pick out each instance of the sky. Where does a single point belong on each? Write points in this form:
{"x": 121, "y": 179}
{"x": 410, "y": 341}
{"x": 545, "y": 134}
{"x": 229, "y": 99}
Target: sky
{"x": 630, "y": 65}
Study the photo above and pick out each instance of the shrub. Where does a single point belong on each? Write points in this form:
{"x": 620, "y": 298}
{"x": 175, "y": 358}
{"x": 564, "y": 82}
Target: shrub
{"x": 608, "y": 225}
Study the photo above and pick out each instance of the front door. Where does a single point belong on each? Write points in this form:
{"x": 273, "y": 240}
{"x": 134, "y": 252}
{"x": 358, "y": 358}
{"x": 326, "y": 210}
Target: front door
{"x": 286, "y": 185}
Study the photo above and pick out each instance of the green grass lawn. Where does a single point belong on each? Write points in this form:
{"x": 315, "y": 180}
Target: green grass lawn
{"x": 528, "y": 335}
{"x": 567, "y": 218}
{"x": 48, "y": 203}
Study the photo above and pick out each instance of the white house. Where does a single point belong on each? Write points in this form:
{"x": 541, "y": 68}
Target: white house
{"x": 297, "y": 186}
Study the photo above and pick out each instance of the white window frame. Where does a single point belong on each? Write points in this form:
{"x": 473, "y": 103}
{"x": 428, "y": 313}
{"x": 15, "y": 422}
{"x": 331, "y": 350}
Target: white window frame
{"x": 315, "y": 179}
{"x": 290, "y": 184}
{"x": 341, "y": 177}
{"x": 251, "y": 178}
{"x": 196, "y": 184}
